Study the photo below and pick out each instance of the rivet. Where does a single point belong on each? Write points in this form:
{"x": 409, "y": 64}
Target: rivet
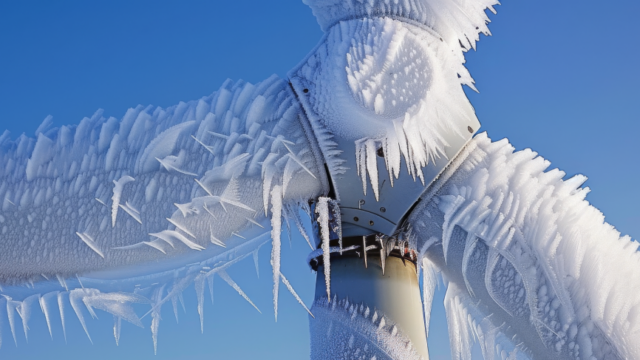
{"x": 470, "y": 129}
{"x": 382, "y": 209}
{"x": 305, "y": 91}
{"x": 371, "y": 222}
{"x": 355, "y": 218}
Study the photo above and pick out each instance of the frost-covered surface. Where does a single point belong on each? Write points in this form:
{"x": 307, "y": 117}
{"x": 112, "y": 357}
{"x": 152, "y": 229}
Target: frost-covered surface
{"x": 346, "y": 330}
{"x": 458, "y": 22}
{"x": 109, "y": 213}
{"x": 384, "y": 83}
{"x": 530, "y": 263}
{"x": 532, "y": 269}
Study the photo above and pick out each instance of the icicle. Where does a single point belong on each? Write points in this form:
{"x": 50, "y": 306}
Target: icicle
{"x": 11, "y": 309}
{"x": 228, "y": 280}
{"x": 286, "y": 220}
{"x": 337, "y": 221}
{"x": 361, "y": 163}
{"x": 180, "y": 227}
{"x": 372, "y": 166}
{"x": 322, "y": 209}
{"x": 256, "y": 263}
{"x": 45, "y": 309}
{"x": 364, "y": 250}
{"x": 61, "y": 309}
{"x": 75, "y": 297}
{"x": 292, "y": 212}
{"x": 24, "y": 310}
{"x": 295, "y": 295}
{"x": 90, "y": 243}
{"x": 199, "y": 286}
{"x": 62, "y": 282}
{"x": 156, "y": 301}
{"x": 383, "y": 253}
{"x": 133, "y": 212}
{"x": 215, "y": 240}
{"x": 254, "y": 222}
{"x": 175, "y": 290}
{"x": 117, "y": 325}
{"x": 174, "y": 304}
{"x": 210, "y": 281}
{"x": 276, "y": 225}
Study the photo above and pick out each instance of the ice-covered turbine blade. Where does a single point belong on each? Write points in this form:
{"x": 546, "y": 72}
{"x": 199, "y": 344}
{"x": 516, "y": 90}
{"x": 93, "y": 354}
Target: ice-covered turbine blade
{"x": 525, "y": 255}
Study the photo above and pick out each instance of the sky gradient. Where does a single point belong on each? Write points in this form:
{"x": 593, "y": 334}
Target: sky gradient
{"x": 558, "y": 77}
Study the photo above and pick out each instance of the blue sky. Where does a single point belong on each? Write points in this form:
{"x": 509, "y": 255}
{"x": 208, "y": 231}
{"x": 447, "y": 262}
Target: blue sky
{"x": 558, "y": 77}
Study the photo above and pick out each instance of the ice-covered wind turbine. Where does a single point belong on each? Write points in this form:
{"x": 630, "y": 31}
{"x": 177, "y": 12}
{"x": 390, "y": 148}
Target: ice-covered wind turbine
{"x": 372, "y": 138}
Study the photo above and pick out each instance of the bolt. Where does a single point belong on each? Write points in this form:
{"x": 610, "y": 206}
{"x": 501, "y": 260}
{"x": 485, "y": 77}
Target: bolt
{"x": 305, "y": 91}
{"x": 470, "y": 129}
{"x": 380, "y": 152}
{"x": 382, "y": 209}
{"x": 371, "y": 222}
{"x": 355, "y": 218}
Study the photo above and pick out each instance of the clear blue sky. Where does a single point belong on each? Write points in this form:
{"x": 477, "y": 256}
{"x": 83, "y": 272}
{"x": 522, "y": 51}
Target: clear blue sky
{"x": 558, "y": 77}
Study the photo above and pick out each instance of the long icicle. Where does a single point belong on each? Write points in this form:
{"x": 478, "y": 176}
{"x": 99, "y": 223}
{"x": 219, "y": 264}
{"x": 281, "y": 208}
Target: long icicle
{"x": 224, "y": 276}
{"x": 45, "y": 310}
{"x": 276, "y": 227}
{"x": 295, "y": 295}
{"x": 61, "y": 309}
{"x": 322, "y": 209}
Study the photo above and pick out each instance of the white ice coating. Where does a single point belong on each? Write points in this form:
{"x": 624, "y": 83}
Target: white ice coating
{"x": 345, "y": 330}
{"x": 528, "y": 259}
{"x": 383, "y": 82}
{"x": 131, "y": 202}
{"x": 533, "y": 270}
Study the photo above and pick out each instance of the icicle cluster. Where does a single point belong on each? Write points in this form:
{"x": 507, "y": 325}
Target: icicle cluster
{"x": 383, "y": 83}
{"x": 159, "y": 183}
{"x": 530, "y": 258}
{"x": 121, "y": 298}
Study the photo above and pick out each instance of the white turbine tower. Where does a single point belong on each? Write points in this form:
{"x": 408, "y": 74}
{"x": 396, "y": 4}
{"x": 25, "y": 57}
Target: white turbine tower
{"x": 372, "y": 137}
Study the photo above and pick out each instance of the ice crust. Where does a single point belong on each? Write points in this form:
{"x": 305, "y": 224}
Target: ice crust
{"x": 346, "y": 330}
{"x": 531, "y": 266}
{"x": 384, "y": 83}
{"x": 457, "y": 22}
{"x": 126, "y": 204}
{"x": 532, "y": 270}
